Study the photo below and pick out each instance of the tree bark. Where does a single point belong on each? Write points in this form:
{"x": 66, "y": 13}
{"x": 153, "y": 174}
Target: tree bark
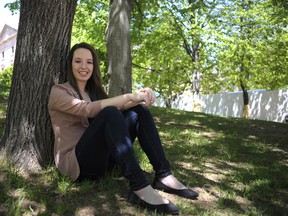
{"x": 193, "y": 50}
{"x": 246, "y": 109}
{"x": 118, "y": 40}
{"x": 43, "y": 42}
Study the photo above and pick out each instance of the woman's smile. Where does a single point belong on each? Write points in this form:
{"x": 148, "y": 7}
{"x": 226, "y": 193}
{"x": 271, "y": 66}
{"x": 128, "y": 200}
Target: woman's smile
{"x": 82, "y": 66}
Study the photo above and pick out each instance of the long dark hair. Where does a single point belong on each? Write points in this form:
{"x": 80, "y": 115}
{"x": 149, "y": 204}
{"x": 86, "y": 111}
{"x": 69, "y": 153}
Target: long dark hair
{"x": 94, "y": 86}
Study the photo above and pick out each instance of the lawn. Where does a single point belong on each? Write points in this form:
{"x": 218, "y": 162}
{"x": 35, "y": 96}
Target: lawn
{"x": 238, "y": 166}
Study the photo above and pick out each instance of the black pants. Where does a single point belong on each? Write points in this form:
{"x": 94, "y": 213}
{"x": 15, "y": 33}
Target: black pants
{"x": 108, "y": 141}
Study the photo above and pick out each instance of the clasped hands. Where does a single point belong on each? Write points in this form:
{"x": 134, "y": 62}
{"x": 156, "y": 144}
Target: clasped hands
{"x": 146, "y": 95}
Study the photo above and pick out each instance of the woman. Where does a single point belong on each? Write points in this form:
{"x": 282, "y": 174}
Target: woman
{"x": 94, "y": 132}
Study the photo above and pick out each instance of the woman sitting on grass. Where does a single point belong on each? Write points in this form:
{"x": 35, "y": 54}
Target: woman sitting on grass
{"x": 93, "y": 133}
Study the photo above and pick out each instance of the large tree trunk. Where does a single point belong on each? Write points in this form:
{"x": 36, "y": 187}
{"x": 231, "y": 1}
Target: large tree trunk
{"x": 43, "y": 42}
{"x": 119, "y": 47}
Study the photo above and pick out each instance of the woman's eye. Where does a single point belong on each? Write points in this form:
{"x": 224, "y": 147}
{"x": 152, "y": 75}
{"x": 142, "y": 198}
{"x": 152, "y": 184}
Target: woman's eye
{"x": 77, "y": 61}
{"x": 90, "y": 62}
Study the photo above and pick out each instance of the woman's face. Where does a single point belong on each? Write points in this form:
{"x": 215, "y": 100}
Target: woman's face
{"x": 82, "y": 65}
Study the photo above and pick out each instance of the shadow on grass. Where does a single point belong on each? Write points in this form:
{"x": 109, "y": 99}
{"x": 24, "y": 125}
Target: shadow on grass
{"x": 238, "y": 166}
{"x": 242, "y": 164}
{"x": 59, "y": 196}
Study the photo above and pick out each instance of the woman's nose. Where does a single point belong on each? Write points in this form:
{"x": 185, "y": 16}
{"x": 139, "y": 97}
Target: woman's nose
{"x": 83, "y": 65}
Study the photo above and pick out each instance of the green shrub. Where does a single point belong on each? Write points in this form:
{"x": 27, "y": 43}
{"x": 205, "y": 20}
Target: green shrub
{"x": 5, "y": 82}
{"x": 6, "y": 76}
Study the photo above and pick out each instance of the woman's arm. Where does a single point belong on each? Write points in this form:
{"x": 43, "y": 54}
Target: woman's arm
{"x": 126, "y": 101}
{"x": 63, "y": 99}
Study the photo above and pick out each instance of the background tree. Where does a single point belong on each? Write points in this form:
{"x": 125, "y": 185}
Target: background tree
{"x": 280, "y": 9}
{"x": 168, "y": 36}
{"x": 43, "y": 42}
{"x": 174, "y": 48}
{"x": 157, "y": 60}
{"x": 249, "y": 54}
{"x": 119, "y": 47}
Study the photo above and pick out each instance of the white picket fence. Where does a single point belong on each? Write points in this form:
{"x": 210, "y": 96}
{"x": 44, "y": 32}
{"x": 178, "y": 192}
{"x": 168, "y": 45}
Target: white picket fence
{"x": 264, "y": 105}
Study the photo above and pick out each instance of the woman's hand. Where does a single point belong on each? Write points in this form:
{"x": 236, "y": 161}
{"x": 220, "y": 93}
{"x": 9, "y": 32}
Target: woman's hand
{"x": 126, "y": 101}
{"x": 150, "y": 96}
{"x": 141, "y": 97}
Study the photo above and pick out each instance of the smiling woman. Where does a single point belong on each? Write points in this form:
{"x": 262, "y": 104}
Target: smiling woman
{"x": 94, "y": 133}
{"x": 82, "y": 64}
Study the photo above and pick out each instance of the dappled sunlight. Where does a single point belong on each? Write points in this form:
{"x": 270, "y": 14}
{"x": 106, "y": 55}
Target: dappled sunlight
{"x": 244, "y": 204}
{"x": 226, "y": 160}
{"x": 88, "y": 210}
{"x": 213, "y": 199}
{"x": 21, "y": 201}
{"x": 238, "y": 167}
{"x": 209, "y": 134}
{"x": 215, "y": 173}
{"x": 32, "y": 194}
{"x": 278, "y": 150}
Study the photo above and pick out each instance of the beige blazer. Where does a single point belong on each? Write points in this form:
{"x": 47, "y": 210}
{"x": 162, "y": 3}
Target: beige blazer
{"x": 69, "y": 118}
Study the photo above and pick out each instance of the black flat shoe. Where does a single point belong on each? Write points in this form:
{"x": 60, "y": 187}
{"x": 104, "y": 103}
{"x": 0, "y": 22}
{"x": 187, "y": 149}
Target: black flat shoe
{"x": 168, "y": 208}
{"x": 186, "y": 193}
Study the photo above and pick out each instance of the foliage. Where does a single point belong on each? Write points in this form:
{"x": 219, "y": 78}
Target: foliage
{"x": 6, "y": 76}
{"x": 5, "y": 83}
{"x": 174, "y": 46}
{"x": 251, "y": 48}
{"x": 280, "y": 10}
{"x": 231, "y": 35}
{"x": 237, "y": 41}
{"x": 13, "y": 6}
{"x": 89, "y": 26}
{"x": 154, "y": 63}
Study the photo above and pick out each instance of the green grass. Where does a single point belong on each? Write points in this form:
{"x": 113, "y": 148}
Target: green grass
{"x": 238, "y": 166}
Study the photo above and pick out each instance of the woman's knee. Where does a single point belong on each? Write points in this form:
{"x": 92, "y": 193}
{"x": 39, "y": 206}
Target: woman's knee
{"x": 112, "y": 112}
{"x": 110, "y": 109}
{"x": 140, "y": 108}
{"x": 133, "y": 113}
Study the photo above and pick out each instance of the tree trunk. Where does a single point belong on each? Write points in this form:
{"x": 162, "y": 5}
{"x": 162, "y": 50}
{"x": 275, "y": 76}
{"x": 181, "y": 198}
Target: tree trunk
{"x": 246, "y": 109}
{"x": 119, "y": 47}
{"x": 193, "y": 51}
{"x": 43, "y": 42}
{"x": 243, "y": 68}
